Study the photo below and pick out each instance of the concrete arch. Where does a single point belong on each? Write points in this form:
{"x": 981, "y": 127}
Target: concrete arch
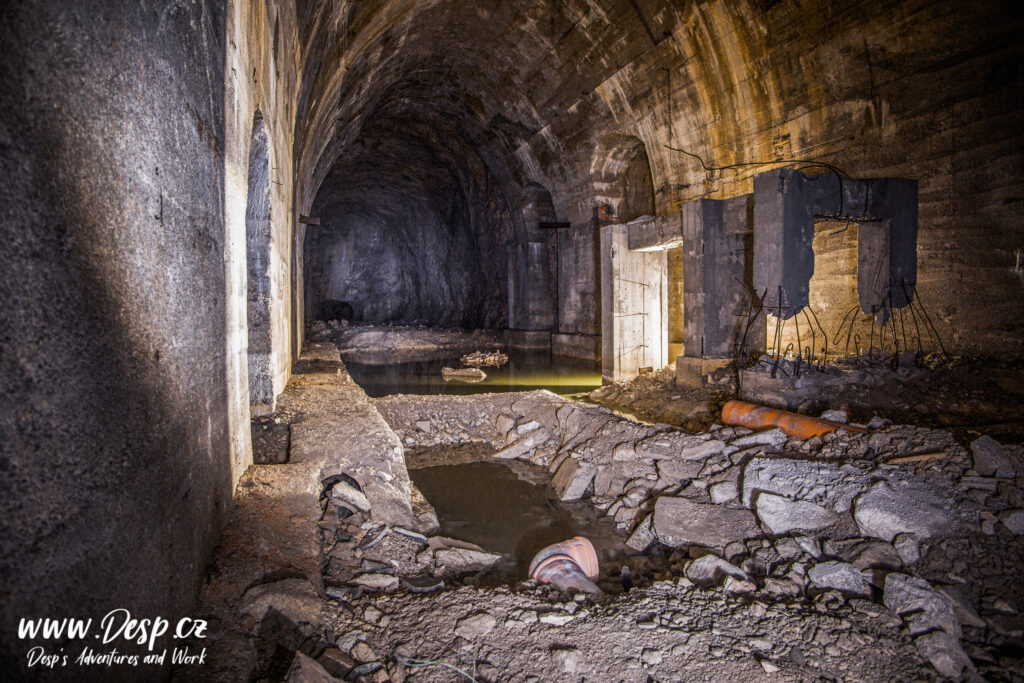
{"x": 621, "y": 174}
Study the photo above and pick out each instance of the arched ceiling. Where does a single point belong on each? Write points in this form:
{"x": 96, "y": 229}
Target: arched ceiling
{"x": 498, "y": 74}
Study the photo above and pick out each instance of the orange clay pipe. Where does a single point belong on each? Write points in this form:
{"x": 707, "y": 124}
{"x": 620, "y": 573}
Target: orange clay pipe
{"x": 753, "y": 416}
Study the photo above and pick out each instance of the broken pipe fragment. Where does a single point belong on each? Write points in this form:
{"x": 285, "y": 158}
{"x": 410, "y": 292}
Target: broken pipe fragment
{"x": 753, "y": 416}
{"x": 569, "y": 566}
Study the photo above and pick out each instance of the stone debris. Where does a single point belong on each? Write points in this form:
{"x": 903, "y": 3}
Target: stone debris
{"x": 304, "y": 669}
{"x": 991, "y": 459}
{"x": 556, "y": 618}
{"x": 643, "y": 536}
{"x": 573, "y": 479}
{"x": 350, "y": 497}
{"x": 908, "y": 547}
{"x": 922, "y": 607}
{"x": 1013, "y": 520}
{"x": 931, "y": 619}
{"x": 839, "y": 576}
{"x": 891, "y": 508}
{"x": 710, "y": 571}
{"x": 485, "y": 358}
{"x": 680, "y": 522}
{"x": 840, "y": 416}
{"x": 842, "y": 512}
{"x": 462, "y": 560}
{"x": 771, "y": 437}
{"x": 831, "y": 486}
{"x": 380, "y": 582}
{"x": 944, "y": 652}
{"x": 475, "y": 626}
{"x": 782, "y": 515}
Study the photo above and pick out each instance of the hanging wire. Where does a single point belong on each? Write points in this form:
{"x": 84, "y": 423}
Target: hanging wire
{"x": 424, "y": 662}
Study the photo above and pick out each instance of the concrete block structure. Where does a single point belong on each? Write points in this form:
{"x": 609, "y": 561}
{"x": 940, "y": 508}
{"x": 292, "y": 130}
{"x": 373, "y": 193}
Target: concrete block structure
{"x": 634, "y": 312}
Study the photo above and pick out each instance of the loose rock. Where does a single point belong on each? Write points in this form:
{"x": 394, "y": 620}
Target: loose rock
{"x": 680, "y": 522}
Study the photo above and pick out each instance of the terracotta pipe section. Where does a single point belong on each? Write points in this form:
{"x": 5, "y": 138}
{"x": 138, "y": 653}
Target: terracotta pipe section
{"x": 568, "y": 566}
{"x": 753, "y": 416}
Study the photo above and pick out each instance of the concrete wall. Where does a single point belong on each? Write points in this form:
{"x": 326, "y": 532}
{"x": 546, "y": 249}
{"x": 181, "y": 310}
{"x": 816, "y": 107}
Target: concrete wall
{"x": 114, "y": 408}
{"x": 916, "y": 89}
{"x": 261, "y": 77}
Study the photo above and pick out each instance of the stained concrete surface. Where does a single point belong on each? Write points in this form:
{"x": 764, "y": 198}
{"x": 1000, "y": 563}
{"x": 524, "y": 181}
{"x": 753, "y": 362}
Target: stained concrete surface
{"x": 115, "y": 449}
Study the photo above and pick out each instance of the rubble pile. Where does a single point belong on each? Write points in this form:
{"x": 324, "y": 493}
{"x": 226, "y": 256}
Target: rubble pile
{"x": 892, "y": 553}
{"x": 868, "y": 516}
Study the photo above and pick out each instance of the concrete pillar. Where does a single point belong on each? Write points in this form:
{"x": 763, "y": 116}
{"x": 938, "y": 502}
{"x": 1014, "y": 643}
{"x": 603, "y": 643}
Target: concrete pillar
{"x": 634, "y": 300}
{"x": 786, "y": 205}
{"x": 717, "y": 288}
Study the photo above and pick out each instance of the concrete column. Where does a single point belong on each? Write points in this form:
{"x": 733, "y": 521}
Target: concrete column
{"x": 634, "y": 300}
{"x": 717, "y": 288}
{"x": 786, "y": 205}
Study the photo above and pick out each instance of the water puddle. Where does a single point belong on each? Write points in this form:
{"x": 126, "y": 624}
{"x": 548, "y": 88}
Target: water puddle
{"x": 525, "y": 371}
{"x": 511, "y": 509}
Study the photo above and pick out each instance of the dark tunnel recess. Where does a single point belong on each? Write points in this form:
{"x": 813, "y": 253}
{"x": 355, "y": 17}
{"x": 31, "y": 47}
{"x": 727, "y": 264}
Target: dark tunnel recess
{"x": 414, "y": 227}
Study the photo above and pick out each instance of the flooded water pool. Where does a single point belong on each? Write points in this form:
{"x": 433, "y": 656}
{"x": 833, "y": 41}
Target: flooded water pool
{"x": 510, "y": 509}
{"x": 525, "y": 371}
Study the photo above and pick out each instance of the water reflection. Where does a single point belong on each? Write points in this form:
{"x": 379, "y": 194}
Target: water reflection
{"x": 525, "y": 371}
{"x": 506, "y": 509}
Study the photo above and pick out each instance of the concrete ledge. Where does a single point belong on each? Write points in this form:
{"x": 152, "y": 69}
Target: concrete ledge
{"x": 696, "y": 373}
{"x": 528, "y": 339}
{"x": 655, "y": 233}
{"x": 586, "y": 346}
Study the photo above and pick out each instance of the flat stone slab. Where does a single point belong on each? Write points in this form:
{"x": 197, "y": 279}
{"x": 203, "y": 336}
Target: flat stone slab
{"x": 827, "y": 485}
{"x": 839, "y": 576}
{"x": 680, "y": 522}
{"x": 782, "y": 515}
{"x": 891, "y": 508}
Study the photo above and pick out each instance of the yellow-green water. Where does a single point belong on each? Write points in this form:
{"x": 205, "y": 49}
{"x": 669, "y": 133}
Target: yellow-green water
{"x": 523, "y": 372}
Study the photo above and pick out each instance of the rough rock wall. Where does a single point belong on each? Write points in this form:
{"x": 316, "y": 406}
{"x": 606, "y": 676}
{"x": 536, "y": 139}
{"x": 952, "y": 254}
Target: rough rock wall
{"x": 920, "y": 89}
{"x": 413, "y": 230}
{"x": 115, "y": 477}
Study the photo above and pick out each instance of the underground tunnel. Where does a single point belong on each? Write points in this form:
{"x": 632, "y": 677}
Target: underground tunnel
{"x": 604, "y": 340}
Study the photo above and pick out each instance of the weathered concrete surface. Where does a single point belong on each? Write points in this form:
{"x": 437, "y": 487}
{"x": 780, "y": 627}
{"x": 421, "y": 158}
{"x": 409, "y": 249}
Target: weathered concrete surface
{"x": 113, "y": 407}
{"x": 910, "y": 89}
{"x": 273, "y": 529}
{"x": 718, "y": 292}
{"x": 634, "y": 307}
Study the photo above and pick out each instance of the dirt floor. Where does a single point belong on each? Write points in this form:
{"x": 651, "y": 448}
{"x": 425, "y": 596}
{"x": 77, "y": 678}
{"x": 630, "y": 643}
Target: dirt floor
{"x": 889, "y": 554}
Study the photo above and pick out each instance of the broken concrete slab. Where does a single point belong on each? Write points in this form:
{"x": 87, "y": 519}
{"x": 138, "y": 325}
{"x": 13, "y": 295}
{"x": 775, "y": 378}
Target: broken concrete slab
{"x": 891, "y": 508}
{"x": 572, "y": 479}
{"x": 643, "y": 536}
{"x": 783, "y": 515}
{"x": 944, "y": 652}
{"x": 462, "y": 560}
{"x": 922, "y": 607}
{"x": 991, "y": 458}
{"x": 349, "y": 497}
{"x": 839, "y": 576}
{"x": 771, "y": 437}
{"x": 831, "y": 486}
{"x": 680, "y": 522}
{"x": 710, "y": 571}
